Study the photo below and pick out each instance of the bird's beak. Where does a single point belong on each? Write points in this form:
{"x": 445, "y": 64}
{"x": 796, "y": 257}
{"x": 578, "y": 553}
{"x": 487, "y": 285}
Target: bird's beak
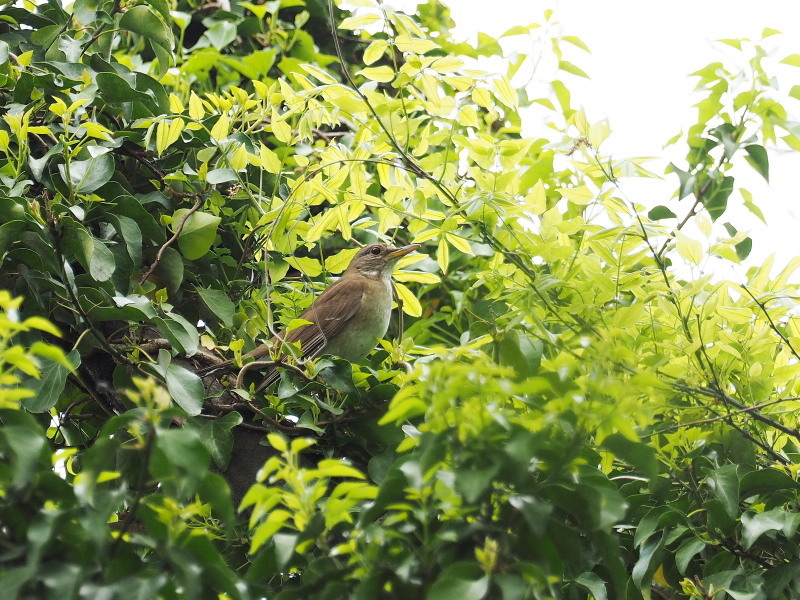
{"x": 398, "y": 252}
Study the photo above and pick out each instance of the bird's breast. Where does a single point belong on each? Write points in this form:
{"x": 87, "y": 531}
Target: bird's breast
{"x": 367, "y": 326}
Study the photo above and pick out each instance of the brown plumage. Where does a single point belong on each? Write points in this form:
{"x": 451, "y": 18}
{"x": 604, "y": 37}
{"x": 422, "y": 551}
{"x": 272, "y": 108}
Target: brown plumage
{"x": 348, "y": 318}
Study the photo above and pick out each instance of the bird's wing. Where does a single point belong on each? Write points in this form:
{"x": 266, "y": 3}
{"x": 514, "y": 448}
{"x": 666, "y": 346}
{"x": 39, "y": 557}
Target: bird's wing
{"x": 329, "y": 314}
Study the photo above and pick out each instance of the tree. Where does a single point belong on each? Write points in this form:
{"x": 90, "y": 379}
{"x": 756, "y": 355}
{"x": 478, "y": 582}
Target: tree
{"x": 559, "y": 412}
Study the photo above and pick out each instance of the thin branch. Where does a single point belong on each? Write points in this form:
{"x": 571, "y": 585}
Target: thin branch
{"x": 198, "y": 203}
{"x": 773, "y": 326}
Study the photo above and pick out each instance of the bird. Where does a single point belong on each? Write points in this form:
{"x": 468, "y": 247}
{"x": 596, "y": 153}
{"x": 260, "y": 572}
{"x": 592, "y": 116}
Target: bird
{"x": 347, "y": 319}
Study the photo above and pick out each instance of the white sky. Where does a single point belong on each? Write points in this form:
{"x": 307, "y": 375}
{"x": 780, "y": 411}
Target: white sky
{"x": 642, "y": 53}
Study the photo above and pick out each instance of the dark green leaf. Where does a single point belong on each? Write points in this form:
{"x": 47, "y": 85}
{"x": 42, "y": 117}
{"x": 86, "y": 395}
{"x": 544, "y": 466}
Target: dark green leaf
{"x": 338, "y": 374}
{"x": 185, "y": 387}
{"x": 686, "y": 552}
{"x": 593, "y": 583}
{"x": 754, "y": 525}
{"x": 198, "y": 233}
{"x": 661, "y": 212}
{"x": 637, "y": 454}
{"x": 216, "y": 435}
{"x": 50, "y": 385}
{"x": 758, "y": 159}
{"x": 218, "y": 303}
{"x": 716, "y": 200}
{"x": 725, "y": 484}
{"x": 86, "y": 176}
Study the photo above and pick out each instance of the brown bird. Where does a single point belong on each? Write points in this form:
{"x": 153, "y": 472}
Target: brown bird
{"x": 348, "y": 318}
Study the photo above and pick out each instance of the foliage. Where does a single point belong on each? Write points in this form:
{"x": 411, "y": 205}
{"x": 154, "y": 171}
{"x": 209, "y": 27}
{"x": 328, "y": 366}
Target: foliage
{"x": 570, "y": 406}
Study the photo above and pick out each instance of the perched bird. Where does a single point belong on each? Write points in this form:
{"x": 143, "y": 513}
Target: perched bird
{"x": 348, "y": 318}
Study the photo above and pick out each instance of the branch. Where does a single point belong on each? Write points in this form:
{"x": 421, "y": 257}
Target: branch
{"x": 198, "y": 203}
{"x": 772, "y": 324}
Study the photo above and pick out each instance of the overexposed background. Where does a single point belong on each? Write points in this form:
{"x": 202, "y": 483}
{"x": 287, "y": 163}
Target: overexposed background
{"x": 642, "y": 55}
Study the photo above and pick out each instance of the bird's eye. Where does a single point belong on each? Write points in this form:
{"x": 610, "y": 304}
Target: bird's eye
{"x": 375, "y": 250}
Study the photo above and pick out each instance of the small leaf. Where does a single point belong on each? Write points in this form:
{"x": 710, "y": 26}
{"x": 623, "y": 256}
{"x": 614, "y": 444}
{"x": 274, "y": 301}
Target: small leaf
{"x": 792, "y": 59}
{"x": 661, "y": 212}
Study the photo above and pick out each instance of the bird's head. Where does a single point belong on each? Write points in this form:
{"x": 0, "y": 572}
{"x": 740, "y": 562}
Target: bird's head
{"x": 378, "y": 260}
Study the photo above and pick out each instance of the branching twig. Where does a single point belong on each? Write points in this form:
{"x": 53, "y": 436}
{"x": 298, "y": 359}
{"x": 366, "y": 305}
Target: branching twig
{"x": 773, "y": 326}
{"x": 198, "y": 203}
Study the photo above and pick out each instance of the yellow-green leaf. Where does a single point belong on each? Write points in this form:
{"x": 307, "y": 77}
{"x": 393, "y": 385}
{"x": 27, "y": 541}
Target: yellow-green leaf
{"x": 269, "y": 160}
{"x": 579, "y": 195}
{"x": 379, "y": 74}
{"x": 690, "y": 249}
{"x": 308, "y": 266}
{"x": 281, "y": 128}
{"x": 360, "y": 21}
{"x": 536, "y": 200}
{"x": 459, "y": 243}
{"x": 239, "y": 158}
{"x": 374, "y": 51}
{"x": 221, "y": 128}
{"x": 443, "y": 255}
{"x": 407, "y": 43}
{"x": 338, "y": 262}
{"x": 416, "y": 277}
{"x": 175, "y": 104}
{"x": 315, "y": 71}
{"x": 408, "y": 301}
{"x": 278, "y": 442}
{"x": 505, "y": 93}
{"x": 196, "y": 110}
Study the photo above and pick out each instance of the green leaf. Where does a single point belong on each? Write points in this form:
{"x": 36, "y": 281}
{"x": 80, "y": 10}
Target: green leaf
{"x": 792, "y": 59}
{"x": 593, "y": 583}
{"x": 661, "y": 212}
{"x": 637, "y": 454}
{"x": 218, "y": 303}
{"x": 650, "y": 556}
{"x": 716, "y": 201}
{"x": 221, "y": 34}
{"x": 49, "y": 386}
{"x": 570, "y": 68}
{"x": 198, "y": 233}
{"x": 86, "y": 176}
{"x": 115, "y": 89}
{"x": 725, "y": 484}
{"x": 338, "y": 374}
{"x": 762, "y": 481}
{"x": 170, "y": 270}
{"x": 147, "y": 24}
{"x": 758, "y": 159}
{"x": 182, "y": 335}
{"x": 754, "y": 525}
{"x": 459, "y": 580}
{"x": 686, "y": 552}
{"x": 185, "y": 387}
{"x": 216, "y": 435}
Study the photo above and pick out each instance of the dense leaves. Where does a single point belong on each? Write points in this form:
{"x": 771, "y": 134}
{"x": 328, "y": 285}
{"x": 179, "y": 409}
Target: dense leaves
{"x": 559, "y": 411}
